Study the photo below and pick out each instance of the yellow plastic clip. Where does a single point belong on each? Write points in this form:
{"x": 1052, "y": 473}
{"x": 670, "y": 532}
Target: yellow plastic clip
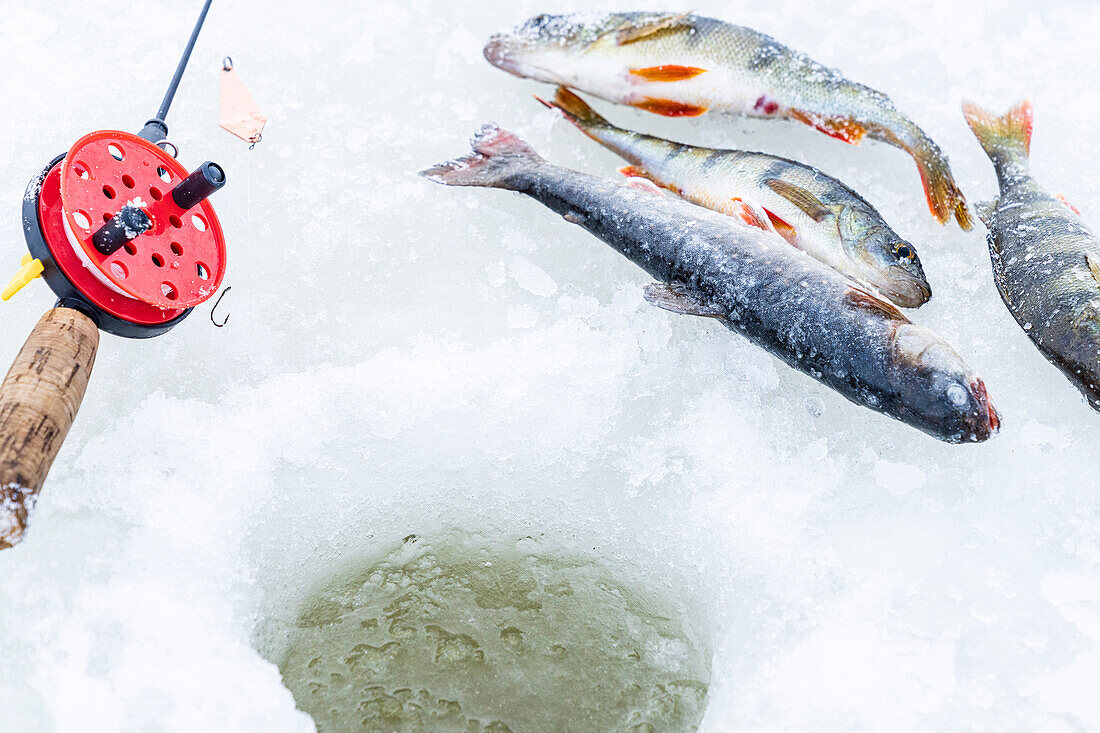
{"x": 29, "y": 270}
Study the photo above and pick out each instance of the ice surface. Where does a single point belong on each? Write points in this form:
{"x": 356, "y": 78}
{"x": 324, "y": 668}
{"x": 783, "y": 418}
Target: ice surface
{"x": 403, "y": 358}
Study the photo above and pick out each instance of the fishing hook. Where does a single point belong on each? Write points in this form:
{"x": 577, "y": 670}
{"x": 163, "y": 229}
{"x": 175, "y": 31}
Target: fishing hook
{"x": 216, "y": 304}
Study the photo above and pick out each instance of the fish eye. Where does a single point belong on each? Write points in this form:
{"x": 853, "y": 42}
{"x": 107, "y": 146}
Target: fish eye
{"x": 904, "y": 251}
{"x": 957, "y": 395}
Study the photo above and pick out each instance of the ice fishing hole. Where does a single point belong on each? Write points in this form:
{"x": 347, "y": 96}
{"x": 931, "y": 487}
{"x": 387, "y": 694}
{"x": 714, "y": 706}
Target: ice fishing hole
{"x": 82, "y": 220}
{"x": 164, "y": 175}
{"x": 158, "y": 261}
{"x": 177, "y": 250}
{"x": 202, "y": 271}
{"x": 169, "y": 291}
{"x": 175, "y": 221}
{"x": 199, "y": 222}
{"x": 108, "y": 192}
{"x": 115, "y": 151}
{"x": 463, "y": 633}
{"x": 127, "y": 181}
{"x": 155, "y": 193}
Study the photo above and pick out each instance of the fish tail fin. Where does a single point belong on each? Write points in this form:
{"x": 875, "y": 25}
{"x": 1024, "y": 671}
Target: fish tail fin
{"x": 577, "y": 111}
{"x": 1005, "y": 139}
{"x": 497, "y": 156}
{"x": 640, "y": 150}
{"x": 944, "y": 197}
{"x": 1008, "y": 134}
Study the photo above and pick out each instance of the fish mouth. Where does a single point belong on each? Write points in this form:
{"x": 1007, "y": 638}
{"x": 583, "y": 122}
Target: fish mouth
{"x": 986, "y": 421}
{"x": 500, "y": 51}
{"x": 509, "y": 53}
{"x": 907, "y": 291}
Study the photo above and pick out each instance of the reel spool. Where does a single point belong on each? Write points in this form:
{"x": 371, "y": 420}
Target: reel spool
{"x": 125, "y": 234}
{"x": 128, "y": 241}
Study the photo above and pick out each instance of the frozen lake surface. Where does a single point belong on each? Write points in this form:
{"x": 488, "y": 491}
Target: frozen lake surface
{"x": 403, "y": 358}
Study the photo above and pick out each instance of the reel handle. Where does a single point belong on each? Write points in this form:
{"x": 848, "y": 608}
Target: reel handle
{"x": 39, "y": 399}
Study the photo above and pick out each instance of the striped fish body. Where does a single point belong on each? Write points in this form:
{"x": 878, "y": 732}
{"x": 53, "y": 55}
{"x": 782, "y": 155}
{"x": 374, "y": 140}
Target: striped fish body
{"x": 756, "y": 284}
{"x": 813, "y": 211}
{"x": 685, "y": 65}
{"x": 1046, "y": 261}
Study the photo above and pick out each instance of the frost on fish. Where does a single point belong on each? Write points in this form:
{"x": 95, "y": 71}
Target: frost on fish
{"x": 793, "y": 306}
{"x": 814, "y": 212}
{"x": 1042, "y": 253}
{"x": 629, "y": 58}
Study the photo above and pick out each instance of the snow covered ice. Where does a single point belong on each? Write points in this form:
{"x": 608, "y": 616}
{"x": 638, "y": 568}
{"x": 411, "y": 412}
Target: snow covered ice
{"x": 403, "y": 358}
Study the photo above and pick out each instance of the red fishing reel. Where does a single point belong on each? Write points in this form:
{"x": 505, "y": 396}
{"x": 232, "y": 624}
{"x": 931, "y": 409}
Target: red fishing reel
{"x": 120, "y": 230}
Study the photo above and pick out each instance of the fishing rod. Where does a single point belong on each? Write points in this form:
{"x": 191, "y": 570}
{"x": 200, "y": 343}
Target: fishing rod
{"x": 126, "y": 238}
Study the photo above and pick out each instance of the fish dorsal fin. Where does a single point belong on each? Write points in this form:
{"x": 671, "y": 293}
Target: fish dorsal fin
{"x": 679, "y": 298}
{"x": 1094, "y": 266}
{"x": 649, "y": 26}
{"x": 800, "y": 197}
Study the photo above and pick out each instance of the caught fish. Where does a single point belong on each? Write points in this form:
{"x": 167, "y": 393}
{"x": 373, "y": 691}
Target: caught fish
{"x": 755, "y": 283}
{"x": 683, "y": 65}
{"x": 1046, "y": 261}
{"x": 814, "y": 212}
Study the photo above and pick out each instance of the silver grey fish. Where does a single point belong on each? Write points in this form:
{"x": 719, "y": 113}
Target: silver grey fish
{"x": 755, "y": 283}
{"x": 1046, "y": 261}
{"x": 813, "y": 211}
{"x": 682, "y": 65}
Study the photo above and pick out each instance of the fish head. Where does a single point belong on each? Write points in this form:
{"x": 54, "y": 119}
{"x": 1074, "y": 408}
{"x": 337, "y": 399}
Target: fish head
{"x": 942, "y": 396}
{"x": 565, "y": 49}
{"x": 543, "y": 46}
{"x": 891, "y": 264}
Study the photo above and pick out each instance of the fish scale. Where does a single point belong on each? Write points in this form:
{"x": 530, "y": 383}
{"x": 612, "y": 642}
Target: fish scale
{"x": 684, "y": 65}
{"x": 845, "y": 232}
{"x": 756, "y": 284}
{"x": 1039, "y": 249}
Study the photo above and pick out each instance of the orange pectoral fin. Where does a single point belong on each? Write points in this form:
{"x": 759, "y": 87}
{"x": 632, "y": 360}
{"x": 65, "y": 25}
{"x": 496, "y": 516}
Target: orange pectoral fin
{"x": 842, "y": 128}
{"x": 669, "y": 108}
{"x": 668, "y": 72}
{"x": 784, "y": 229}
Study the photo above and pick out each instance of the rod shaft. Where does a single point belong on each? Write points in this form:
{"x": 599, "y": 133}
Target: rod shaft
{"x": 163, "y": 111}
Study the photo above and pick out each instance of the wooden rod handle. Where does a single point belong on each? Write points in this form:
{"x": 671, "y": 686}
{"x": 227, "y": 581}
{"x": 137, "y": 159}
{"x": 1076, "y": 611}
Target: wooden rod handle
{"x": 38, "y": 402}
